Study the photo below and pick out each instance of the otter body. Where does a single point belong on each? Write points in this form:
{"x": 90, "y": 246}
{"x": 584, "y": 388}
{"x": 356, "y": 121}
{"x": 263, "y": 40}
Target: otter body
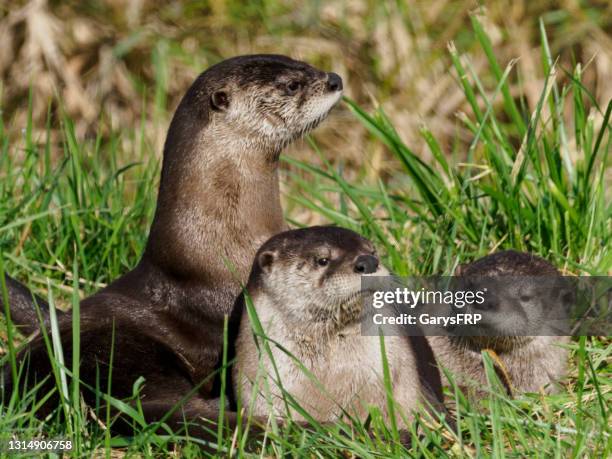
{"x": 306, "y": 290}
{"x": 530, "y": 367}
{"x": 526, "y": 363}
{"x": 218, "y": 201}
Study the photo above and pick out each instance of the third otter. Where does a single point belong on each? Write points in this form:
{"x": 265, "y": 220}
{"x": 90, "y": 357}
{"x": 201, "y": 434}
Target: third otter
{"x": 305, "y": 286}
{"x": 218, "y": 201}
{"x": 526, "y": 363}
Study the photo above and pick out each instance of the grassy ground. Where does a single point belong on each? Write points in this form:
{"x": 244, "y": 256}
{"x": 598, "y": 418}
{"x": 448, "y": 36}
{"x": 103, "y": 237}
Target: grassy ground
{"x": 529, "y": 170}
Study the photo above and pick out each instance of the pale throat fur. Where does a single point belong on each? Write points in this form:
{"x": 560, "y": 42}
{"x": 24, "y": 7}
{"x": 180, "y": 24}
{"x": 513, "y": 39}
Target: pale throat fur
{"x": 217, "y": 225}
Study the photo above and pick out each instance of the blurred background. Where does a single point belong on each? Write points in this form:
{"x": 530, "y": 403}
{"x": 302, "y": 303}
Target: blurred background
{"x": 118, "y": 63}
{"x": 87, "y": 91}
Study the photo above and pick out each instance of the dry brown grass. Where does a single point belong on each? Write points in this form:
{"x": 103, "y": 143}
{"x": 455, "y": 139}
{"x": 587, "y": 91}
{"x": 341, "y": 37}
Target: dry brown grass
{"x": 99, "y": 60}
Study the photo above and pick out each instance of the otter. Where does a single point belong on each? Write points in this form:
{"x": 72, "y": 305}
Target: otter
{"x": 305, "y": 286}
{"x": 523, "y": 301}
{"x": 218, "y": 201}
{"x": 23, "y": 306}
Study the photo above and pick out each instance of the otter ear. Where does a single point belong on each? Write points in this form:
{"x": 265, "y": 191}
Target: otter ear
{"x": 219, "y": 100}
{"x": 265, "y": 260}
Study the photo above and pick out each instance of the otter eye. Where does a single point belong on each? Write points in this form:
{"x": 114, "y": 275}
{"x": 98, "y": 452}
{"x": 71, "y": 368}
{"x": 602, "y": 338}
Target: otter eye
{"x": 323, "y": 261}
{"x": 293, "y": 87}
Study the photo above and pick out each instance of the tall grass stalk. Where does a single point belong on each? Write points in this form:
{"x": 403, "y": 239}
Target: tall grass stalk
{"x": 518, "y": 188}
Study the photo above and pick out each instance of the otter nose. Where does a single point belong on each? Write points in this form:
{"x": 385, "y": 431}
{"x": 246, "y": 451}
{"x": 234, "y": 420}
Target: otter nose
{"x": 491, "y": 305}
{"x": 366, "y": 264}
{"x": 334, "y": 82}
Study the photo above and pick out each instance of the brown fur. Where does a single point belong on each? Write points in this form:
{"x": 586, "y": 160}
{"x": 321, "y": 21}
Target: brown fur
{"x": 528, "y": 363}
{"x": 314, "y": 312}
{"x": 218, "y": 201}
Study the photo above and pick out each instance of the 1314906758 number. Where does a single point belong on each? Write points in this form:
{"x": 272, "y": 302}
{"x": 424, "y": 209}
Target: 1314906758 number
{"x": 15, "y": 445}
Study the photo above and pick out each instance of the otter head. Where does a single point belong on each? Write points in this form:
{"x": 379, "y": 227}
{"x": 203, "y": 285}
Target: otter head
{"x": 219, "y": 195}
{"x": 261, "y": 101}
{"x": 313, "y": 275}
{"x": 524, "y": 296}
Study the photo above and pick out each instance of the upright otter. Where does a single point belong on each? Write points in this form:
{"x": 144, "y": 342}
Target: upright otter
{"x": 218, "y": 201}
{"x": 305, "y": 286}
{"x": 526, "y": 363}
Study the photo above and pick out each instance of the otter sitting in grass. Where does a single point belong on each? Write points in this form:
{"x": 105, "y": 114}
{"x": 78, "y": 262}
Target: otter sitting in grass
{"x": 218, "y": 201}
{"x": 529, "y": 298}
{"x": 306, "y": 290}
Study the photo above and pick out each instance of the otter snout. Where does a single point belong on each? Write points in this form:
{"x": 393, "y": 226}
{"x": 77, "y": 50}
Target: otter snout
{"x": 491, "y": 305}
{"x": 334, "y": 82}
{"x": 366, "y": 264}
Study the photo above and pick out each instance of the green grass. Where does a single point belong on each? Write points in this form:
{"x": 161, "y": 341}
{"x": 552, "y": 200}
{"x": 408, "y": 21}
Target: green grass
{"x": 77, "y": 214}
{"x": 522, "y": 185}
